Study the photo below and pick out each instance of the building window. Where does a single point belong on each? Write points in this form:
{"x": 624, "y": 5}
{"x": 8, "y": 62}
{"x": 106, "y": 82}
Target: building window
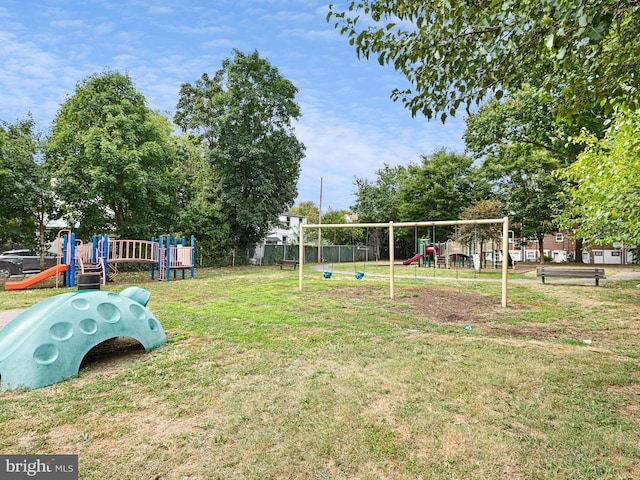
{"x": 559, "y": 237}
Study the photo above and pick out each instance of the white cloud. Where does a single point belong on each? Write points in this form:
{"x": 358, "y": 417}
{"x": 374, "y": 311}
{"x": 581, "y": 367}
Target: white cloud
{"x": 218, "y": 44}
{"x": 67, "y": 23}
{"x": 160, "y": 10}
{"x": 287, "y": 16}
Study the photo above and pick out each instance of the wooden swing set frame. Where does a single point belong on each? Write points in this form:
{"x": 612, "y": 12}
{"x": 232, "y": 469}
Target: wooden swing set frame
{"x": 391, "y": 225}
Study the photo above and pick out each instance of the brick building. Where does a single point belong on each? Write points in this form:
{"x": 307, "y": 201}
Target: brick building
{"x": 560, "y": 248}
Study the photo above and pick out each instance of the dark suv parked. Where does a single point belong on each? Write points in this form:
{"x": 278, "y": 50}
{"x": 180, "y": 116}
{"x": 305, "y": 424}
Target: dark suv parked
{"x": 18, "y": 262}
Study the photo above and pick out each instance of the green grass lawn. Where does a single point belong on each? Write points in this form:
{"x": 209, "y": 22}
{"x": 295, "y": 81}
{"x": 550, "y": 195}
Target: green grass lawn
{"x": 261, "y": 381}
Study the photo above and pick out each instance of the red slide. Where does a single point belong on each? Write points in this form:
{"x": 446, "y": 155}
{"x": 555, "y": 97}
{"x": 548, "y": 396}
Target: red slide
{"x": 27, "y": 282}
{"x": 409, "y": 261}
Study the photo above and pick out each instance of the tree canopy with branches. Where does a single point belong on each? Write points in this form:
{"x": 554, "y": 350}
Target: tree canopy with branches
{"x": 113, "y": 159}
{"x": 458, "y": 54}
{"x": 243, "y": 118}
{"x": 603, "y": 193}
{"x": 26, "y": 193}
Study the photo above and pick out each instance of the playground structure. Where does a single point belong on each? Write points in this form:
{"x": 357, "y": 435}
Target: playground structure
{"x": 165, "y": 255}
{"x": 46, "y": 343}
{"x": 426, "y": 251}
{"x": 458, "y": 255}
{"x": 453, "y": 254}
{"x": 420, "y": 255}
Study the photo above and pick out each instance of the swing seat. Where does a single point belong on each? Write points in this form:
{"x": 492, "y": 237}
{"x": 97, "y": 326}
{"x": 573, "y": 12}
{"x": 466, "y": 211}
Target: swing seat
{"x": 326, "y": 274}
{"x": 359, "y": 275}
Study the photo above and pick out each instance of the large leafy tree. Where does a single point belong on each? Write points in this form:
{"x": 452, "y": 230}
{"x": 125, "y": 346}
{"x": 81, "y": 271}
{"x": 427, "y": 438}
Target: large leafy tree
{"x": 243, "y": 118}
{"x": 339, "y": 236}
{"x": 480, "y": 209}
{"x": 312, "y": 213}
{"x": 522, "y": 176}
{"x": 113, "y": 159}
{"x": 26, "y": 194}
{"x": 564, "y": 63}
{"x": 527, "y": 117}
{"x": 603, "y": 190}
{"x": 17, "y": 171}
{"x": 460, "y": 53}
{"x": 439, "y": 188}
{"x": 205, "y": 218}
{"x": 308, "y": 209}
{"x": 522, "y": 144}
{"x": 378, "y": 201}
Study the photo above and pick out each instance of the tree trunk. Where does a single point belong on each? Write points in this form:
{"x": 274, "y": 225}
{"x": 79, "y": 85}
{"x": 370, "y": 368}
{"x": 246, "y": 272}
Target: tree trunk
{"x": 578, "y": 253}
{"x": 41, "y": 240}
{"x": 540, "y": 238}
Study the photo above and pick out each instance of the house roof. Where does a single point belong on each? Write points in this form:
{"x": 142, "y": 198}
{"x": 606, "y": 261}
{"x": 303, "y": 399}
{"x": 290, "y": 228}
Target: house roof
{"x": 291, "y": 214}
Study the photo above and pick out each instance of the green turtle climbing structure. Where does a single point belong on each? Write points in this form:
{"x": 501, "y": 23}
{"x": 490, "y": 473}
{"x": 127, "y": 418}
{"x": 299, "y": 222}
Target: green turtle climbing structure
{"x": 46, "y": 343}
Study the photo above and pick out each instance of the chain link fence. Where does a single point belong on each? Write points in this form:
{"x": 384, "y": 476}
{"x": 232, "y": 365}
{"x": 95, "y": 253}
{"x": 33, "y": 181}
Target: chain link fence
{"x": 271, "y": 254}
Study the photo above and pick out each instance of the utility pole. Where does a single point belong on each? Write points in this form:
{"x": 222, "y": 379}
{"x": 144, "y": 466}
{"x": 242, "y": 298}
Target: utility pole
{"x": 320, "y": 223}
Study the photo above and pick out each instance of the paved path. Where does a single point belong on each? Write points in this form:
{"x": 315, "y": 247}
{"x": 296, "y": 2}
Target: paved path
{"x": 626, "y": 274}
{"x": 8, "y": 315}
{"x": 622, "y": 274}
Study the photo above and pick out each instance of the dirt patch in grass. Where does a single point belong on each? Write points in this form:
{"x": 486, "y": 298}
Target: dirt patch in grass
{"x": 631, "y": 409}
{"x": 438, "y": 304}
{"x": 454, "y": 307}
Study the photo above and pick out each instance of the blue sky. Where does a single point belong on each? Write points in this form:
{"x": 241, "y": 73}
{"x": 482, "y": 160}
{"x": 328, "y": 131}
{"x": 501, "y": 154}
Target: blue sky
{"x": 349, "y": 123}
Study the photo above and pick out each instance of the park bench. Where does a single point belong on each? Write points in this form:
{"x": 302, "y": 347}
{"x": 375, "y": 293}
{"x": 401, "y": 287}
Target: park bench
{"x": 287, "y": 263}
{"x": 586, "y": 272}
